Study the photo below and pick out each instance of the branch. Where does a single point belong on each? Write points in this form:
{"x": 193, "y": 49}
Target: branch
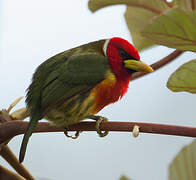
{"x": 10, "y": 157}
{"x": 10, "y": 129}
{"x": 193, "y": 5}
{"x": 169, "y": 58}
{"x": 9, "y": 175}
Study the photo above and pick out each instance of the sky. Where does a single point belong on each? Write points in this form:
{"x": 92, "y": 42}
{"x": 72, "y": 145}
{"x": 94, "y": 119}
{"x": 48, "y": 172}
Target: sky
{"x": 33, "y": 31}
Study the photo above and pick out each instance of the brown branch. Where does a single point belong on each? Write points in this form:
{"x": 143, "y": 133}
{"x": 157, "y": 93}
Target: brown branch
{"x": 10, "y": 129}
{"x": 9, "y": 175}
{"x": 193, "y": 4}
{"x": 159, "y": 63}
{"x": 10, "y": 157}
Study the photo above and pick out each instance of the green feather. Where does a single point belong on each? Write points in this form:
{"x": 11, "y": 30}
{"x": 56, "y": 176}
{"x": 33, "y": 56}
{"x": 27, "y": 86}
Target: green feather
{"x": 28, "y": 133}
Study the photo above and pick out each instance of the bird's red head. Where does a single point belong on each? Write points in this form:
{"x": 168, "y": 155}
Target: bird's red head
{"x": 123, "y": 58}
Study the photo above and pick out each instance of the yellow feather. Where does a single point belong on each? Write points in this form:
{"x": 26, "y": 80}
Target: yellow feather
{"x": 110, "y": 77}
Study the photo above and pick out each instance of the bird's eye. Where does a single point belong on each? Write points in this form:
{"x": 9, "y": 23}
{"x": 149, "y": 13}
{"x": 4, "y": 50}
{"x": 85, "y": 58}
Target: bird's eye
{"x": 124, "y": 55}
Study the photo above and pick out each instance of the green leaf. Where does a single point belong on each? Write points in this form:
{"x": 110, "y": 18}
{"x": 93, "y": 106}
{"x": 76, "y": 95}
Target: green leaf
{"x": 95, "y": 5}
{"x": 187, "y": 5}
{"x": 123, "y": 177}
{"x": 184, "y": 164}
{"x": 184, "y": 78}
{"x": 138, "y": 15}
{"x": 136, "y": 19}
{"x": 175, "y": 29}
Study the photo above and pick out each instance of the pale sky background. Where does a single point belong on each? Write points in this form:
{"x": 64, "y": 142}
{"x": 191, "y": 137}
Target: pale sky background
{"x": 34, "y": 30}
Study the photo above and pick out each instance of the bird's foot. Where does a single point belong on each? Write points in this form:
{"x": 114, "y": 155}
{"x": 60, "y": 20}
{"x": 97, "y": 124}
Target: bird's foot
{"x": 99, "y": 120}
{"x": 77, "y": 134}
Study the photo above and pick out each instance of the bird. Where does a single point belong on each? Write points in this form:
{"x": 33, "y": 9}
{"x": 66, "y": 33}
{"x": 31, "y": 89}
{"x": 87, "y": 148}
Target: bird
{"x": 76, "y": 84}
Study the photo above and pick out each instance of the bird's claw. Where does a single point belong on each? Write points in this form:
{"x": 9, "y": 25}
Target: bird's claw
{"x": 77, "y": 134}
{"x": 99, "y": 120}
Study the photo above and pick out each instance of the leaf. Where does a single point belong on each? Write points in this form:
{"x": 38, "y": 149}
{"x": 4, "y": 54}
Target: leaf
{"x": 175, "y": 29}
{"x": 136, "y": 19}
{"x": 184, "y": 78}
{"x": 137, "y": 16}
{"x": 152, "y": 5}
{"x": 187, "y": 5}
{"x": 123, "y": 177}
{"x": 184, "y": 164}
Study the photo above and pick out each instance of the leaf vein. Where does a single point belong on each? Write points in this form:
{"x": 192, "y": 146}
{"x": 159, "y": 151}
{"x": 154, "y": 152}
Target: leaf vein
{"x": 171, "y": 35}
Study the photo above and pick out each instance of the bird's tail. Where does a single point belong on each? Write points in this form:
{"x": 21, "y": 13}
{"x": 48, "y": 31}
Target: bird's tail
{"x": 28, "y": 133}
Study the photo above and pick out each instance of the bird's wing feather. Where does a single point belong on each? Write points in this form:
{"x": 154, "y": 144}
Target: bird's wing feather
{"x": 54, "y": 83}
{"x": 80, "y": 73}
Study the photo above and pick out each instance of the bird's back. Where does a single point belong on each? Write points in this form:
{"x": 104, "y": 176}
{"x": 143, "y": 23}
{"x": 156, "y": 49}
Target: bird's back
{"x": 43, "y": 74}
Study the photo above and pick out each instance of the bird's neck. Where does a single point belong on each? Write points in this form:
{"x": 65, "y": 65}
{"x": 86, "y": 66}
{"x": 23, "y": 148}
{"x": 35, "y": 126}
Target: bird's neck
{"x": 110, "y": 90}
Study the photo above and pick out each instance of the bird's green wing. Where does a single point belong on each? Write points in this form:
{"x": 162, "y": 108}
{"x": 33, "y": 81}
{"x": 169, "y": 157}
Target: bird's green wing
{"x": 59, "y": 81}
{"x": 80, "y": 73}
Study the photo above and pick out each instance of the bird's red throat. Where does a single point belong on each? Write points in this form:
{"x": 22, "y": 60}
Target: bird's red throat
{"x": 107, "y": 93}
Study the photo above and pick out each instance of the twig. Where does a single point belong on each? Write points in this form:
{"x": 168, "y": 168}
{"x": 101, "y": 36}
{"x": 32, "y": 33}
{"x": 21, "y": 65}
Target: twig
{"x": 193, "y": 4}
{"x": 9, "y": 175}
{"x": 159, "y": 63}
{"x": 6, "y": 152}
{"x": 4, "y": 116}
{"x": 9, "y": 156}
{"x": 10, "y": 129}
{"x": 14, "y": 104}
